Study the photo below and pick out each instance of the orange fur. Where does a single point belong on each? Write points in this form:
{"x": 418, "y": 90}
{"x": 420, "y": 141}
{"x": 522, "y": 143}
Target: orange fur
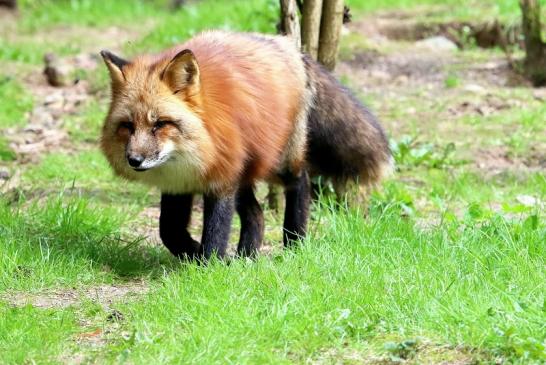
{"x": 250, "y": 91}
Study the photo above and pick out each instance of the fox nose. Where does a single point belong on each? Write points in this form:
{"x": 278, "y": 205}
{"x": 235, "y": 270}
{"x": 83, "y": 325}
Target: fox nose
{"x": 135, "y": 160}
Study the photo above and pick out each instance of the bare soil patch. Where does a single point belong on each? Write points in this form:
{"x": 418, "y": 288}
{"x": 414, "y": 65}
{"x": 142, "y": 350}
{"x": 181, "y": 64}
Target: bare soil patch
{"x": 425, "y": 352}
{"x": 420, "y": 24}
{"x": 84, "y": 39}
{"x": 104, "y": 295}
{"x": 44, "y": 131}
{"x": 496, "y": 160}
{"x": 408, "y": 75}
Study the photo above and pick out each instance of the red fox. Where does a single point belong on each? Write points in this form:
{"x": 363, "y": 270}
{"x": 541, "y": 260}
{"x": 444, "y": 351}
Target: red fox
{"x": 224, "y": 110}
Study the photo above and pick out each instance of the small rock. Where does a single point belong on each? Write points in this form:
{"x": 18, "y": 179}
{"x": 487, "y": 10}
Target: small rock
{"x": 473, "y": 88}
{"x": 438, "y": 43}
{"x": 402, "y": 79}
{"x": 40, "y": 117}
{"x": 75, "y": 98}
{"x": 483, "y": 110}
{"x": 10, "y": 4}
{"x": 57, "y": 71}
{"x": 4, "y": 173}
{"x": 491, "y": 65}
{"x": 540, "y": 93}
{"x": 379, "y": 74}
{"x": 34, "y": 128}
{"x": 528, "y": 201}
{"x": 54, "y": 100}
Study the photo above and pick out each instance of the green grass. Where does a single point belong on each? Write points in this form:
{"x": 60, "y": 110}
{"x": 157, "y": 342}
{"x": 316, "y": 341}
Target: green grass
{"x": 33, "y": 262}
{"x": 477, "y": 281}
{"x": 506, "y": 10}
{"x": 519, "y": 129}
{"x": 15, "y": 103}
{"x": 242, "y": 15}
{"x": 89, "y": 174}
{"x": 38, "y": 14}
{"x": 67, "y": 242}
{"x": 86, "y": 125}
{"x": 176, "y": 26}
{"x": 448, "y": 265}
{"x": 24, "y": 50}
{"x": 6, "y": 153}
{"x": 451, "y": 81}
{"x": 73, "y": 19}
{"x": 39, "y": 332}
{"x": 19, "y": 52}
{"x": 353, "y": 281}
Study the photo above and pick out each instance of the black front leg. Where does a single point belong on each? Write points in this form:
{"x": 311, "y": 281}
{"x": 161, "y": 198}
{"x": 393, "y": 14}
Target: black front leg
{"x": 297, "y": 208}
{"x": 252, "y": 222}
{"x": 173, "y": 225}
{"x": 216, "y": 225}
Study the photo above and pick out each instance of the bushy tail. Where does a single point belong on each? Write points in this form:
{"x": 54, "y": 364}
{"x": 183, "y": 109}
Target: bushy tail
{"x": 345, "y": 140}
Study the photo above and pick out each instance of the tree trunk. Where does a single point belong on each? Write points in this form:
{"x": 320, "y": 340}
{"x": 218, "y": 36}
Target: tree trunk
{"x": 12, "y": 4}
{"x": 310, "y": 26}
{"x": 330, "y": 30}
{"x": 290, "y": 24}
{"x": 176, "y": 4}
{"x": 535, "y": 48}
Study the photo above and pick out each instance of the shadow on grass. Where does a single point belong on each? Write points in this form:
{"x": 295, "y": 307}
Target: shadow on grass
{"x": 68, "y": 235}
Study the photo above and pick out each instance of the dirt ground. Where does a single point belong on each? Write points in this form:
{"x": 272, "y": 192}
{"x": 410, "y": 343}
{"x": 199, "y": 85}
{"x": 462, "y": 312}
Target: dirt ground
{"x": 411, "y": 74}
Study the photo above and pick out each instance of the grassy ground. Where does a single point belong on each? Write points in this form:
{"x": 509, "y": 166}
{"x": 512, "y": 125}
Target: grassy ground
{"x": 448, "y": 267}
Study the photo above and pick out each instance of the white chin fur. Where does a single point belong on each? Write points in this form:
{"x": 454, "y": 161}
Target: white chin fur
{"x": 162, "y": 157}
{"x": 150, "y": 164}
{"x": 171, "y": 172}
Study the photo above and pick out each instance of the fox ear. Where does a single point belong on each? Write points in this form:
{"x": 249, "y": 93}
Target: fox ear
{"x": 115, "y": 66}
{"x": 182, "y": 73}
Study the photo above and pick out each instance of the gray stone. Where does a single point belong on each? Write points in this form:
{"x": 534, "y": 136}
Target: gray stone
{"x": 438, "y": 43}
{"x": 57, "y": 71}
{"x": 4, "y": 173}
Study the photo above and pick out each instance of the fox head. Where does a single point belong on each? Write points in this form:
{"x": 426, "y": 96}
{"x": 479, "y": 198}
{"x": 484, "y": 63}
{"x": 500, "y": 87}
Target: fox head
{"x": 154, "y": 132}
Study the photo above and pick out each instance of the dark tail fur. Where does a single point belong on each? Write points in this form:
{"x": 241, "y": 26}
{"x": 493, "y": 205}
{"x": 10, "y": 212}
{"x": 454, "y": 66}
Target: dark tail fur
{"x": 345, "y": 140}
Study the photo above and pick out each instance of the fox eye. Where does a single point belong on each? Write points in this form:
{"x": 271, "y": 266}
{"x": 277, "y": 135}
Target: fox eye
{"x": 127, "y": 125}
{"x": 160, "y": 124}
